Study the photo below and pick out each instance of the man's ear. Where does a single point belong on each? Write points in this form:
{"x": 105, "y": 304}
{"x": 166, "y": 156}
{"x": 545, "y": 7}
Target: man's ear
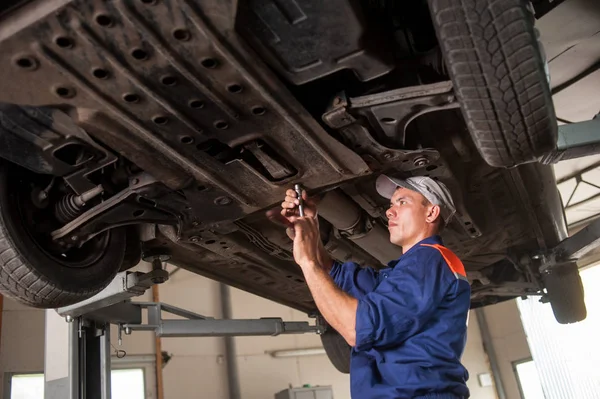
{"x": 433, "y": 214}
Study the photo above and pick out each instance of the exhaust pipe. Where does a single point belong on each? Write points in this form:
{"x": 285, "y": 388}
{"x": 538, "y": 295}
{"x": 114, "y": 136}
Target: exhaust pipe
{"x": 346, "y": 216}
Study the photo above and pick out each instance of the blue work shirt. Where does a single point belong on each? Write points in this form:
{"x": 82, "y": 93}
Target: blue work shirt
{"x": 411, "y": 324}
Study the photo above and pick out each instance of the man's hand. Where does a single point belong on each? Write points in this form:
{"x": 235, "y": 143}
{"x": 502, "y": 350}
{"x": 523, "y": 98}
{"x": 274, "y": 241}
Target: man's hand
{"x": 290, "y": 204}
{"x": 290, "y": 212}
{"x": 306, "y": 241}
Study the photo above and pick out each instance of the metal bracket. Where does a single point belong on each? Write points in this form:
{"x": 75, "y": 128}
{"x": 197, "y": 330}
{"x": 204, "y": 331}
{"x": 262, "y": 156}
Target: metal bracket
{"x": 43, "y": 132}
{"x": 359, "y": 138}
{"x": 392, "y": 111}
{"x": 571, "y": 249}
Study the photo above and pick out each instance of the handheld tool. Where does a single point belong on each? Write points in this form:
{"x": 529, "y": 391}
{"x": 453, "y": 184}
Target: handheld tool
{"x": 298, "y": 189}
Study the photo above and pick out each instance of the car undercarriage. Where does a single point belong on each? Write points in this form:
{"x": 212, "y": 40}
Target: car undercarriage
{"x": 157, "y": 128}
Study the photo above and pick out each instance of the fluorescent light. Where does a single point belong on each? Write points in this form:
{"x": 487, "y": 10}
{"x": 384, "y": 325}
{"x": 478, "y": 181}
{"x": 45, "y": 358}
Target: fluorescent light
{"x": 298, "y": 352}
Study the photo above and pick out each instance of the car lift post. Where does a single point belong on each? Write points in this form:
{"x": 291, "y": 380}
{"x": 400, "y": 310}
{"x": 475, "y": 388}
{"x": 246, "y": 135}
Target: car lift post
{"x": 90, "y": 321}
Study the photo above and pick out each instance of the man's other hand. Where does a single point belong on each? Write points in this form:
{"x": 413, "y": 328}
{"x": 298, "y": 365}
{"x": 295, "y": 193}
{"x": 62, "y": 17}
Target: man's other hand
{"x": 306, "y": 241}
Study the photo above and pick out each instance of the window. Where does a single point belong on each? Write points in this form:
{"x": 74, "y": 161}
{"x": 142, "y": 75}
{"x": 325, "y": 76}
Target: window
{"x": 528, "y": 379}
{"x": 566, "y": 356}
{"x": 125, "y": 384}
{"x": 26, "y": 386}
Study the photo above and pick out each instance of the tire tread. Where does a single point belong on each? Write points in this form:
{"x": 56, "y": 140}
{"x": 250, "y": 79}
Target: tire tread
{"x": 24, "y": 284}
{"x": 493, "y": 58}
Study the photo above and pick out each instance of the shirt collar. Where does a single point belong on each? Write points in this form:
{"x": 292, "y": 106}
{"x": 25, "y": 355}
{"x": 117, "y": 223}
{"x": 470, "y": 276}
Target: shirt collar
{"x": 431, "y": 240}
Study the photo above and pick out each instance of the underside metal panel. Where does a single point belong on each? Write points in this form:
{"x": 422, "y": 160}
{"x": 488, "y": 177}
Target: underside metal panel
{"x": 306, "y": 40}
{"x": 179, "y": 87}
{"x": 163, "y": 76}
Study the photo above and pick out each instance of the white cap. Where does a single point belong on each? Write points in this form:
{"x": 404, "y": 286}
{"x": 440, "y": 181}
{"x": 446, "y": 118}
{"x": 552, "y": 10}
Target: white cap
{"x": 435, "y": 191}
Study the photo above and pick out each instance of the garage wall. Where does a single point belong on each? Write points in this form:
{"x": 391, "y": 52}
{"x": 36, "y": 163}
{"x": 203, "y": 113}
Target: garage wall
{"x": 198, "y": 363}
{"x": 476, "y": 361}
{"x": 509, "y": 341}
{"x": 22, "y": 341}
{"x": 261, "y": 375}
{"x": 197, "y": 368}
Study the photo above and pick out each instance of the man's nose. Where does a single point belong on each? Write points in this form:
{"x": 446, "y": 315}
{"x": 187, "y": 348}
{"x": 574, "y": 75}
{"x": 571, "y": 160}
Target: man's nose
{"x": 389, "y": 213}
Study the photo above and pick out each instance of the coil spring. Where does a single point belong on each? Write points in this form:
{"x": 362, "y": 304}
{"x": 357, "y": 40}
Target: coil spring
{"x": 67, "y": 209}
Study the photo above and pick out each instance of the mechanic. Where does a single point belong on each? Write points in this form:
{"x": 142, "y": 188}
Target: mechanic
{"x": 407, "y": 323}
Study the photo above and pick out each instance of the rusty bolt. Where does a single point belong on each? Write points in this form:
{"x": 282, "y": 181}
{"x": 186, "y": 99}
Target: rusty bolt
{"x": 421, "y": 161}
{"x": 194, "y": 239}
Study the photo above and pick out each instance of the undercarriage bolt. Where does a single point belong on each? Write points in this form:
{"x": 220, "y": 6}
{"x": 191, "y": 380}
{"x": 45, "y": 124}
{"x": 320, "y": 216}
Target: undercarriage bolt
{"x": 127, "y": 330}
{"x": 194, "y": 239}
{"x": 158, "y": 280}
{"x": 69, "y": 319}
{"x": 223, "y": 201}
{"x": 74, "y": 238}
{"x": 421, "y": 161}
{"x": 387, "y": 155}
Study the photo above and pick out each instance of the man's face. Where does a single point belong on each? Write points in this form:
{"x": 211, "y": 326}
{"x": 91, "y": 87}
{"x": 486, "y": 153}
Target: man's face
{"x": 407, "y": 216}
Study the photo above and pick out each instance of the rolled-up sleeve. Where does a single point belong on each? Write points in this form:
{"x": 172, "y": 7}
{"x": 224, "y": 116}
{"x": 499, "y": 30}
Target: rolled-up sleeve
{"x": 354, "y": 279}
{"x": 403, "y": 303}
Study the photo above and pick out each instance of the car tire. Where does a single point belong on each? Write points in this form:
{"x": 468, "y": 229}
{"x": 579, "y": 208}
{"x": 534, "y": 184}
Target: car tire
{"x": 496, "y": 64}
{"x": 133, "y": 250}
{"x": 337, "y": 350}
{"x": 565, "y": 292}
{"x": 31, "y": 276}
